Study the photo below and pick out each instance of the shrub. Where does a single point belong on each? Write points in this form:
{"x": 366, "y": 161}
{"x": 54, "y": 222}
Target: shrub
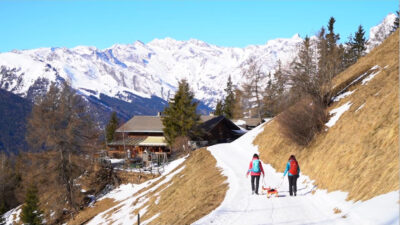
{"x": 303, "y": 120}
{"x": 181, "y": 145}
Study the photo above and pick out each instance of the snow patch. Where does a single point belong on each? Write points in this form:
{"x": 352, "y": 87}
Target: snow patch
{"x": 370, "y": 77}
{"x": 361, "y": 106}
{"x": 343, "y": 95}
{"x": 337, "y": 113}
{"x": 124, "y": 194}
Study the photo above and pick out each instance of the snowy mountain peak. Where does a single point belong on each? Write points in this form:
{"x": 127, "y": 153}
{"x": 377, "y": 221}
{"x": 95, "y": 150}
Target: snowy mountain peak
{"x": 381, "y": 31}
{"x": 152, "y": 69}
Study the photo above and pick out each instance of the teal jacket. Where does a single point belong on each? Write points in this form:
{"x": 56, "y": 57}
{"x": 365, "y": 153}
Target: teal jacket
{"x": 288, "y": 168}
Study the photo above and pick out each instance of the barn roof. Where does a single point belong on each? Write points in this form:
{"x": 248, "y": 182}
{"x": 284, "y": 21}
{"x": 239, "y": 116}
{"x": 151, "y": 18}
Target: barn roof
{"x": 210, "y": 124}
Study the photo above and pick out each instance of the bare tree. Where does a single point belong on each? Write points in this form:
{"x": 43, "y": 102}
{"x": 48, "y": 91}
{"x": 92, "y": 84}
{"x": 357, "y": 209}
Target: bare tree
{"x": 238, "y": 104}
{"x": 59, "y": 122}
{"x": 253, "y": 87}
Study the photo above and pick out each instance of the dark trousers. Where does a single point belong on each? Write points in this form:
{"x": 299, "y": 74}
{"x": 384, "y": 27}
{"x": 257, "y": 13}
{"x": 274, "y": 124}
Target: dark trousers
{"x": 293, "y": 184}
{"x": 255, "y": 181}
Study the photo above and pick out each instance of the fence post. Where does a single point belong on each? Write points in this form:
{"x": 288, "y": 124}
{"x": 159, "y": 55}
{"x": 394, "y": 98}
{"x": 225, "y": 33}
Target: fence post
{"x": 138, "y": 218}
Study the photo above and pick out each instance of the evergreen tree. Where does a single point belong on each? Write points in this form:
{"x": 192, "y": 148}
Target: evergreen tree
{"x": 219, "y": 109}
{"x": 275, "y": 91}
{"x": 330, "y": 58}
{"x": 111, "y": 127}
{"x": 359, "y": 43}
{"x": 305, "y": 79}
{"x": 31, "y": 213}
{"x": 396, "y": 22}
{"x": 180, "y": 116}
{"x": 356, "y": 47}
{"x": 229, "y": 100}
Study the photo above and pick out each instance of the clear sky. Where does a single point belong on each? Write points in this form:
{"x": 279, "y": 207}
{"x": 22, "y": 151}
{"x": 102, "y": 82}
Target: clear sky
{"x": 56, "y": 23}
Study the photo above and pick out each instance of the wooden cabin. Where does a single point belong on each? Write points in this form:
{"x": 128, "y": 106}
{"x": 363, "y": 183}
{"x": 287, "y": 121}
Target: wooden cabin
{"x": 144, "y": 134}
{"x": 140, "y": 134}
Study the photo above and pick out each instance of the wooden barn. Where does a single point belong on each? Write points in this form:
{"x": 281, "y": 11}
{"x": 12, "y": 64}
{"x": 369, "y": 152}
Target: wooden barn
{"x": 219, "y": 130}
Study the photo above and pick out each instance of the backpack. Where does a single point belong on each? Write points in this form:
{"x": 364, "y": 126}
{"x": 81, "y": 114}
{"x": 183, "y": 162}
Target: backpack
{"x": 256, "y": 166}
{"x": 293, "y": 167}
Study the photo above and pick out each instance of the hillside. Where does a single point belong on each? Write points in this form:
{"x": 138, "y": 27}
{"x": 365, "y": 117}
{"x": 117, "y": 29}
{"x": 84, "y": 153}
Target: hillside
{"x": 188, "y": 189}
{"x": 359, "y": 153}
{"x": 13, "y": 115}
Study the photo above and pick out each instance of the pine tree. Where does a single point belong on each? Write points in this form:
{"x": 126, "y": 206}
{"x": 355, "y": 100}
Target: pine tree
{"x": 359, "y": 43}
{"x": 229, "y": 100}
{"x": 356, "y": 47}
{"x": 330, "y": 58}
{"x": 396, "y": 22}
{"x": 275, "y": 91}
{"x": 305, "y": 78}
{"x": 180, "y": 116}
{"x": 31, "y": 214}
{"x": 111, "y": 127}
{"x": 219, "y": 109}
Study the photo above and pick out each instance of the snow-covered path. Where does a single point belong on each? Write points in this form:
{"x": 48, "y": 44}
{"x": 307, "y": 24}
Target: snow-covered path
{"x": 240, "y": 207}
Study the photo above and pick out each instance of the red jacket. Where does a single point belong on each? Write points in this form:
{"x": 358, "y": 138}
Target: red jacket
{"x": 251, "y": 169}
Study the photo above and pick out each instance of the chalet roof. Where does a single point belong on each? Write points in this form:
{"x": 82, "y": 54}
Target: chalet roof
{"x": 129, "y": 141}
{"x": 148, "y": 124}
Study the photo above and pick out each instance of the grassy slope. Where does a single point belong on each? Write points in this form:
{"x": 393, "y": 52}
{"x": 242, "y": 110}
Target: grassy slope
{"x": 359, "y": 154}
{"x": 190, "y": 195}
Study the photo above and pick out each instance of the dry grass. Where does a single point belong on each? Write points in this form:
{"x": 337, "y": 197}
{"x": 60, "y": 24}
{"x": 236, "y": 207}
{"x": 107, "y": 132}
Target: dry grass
{"x": 134, "y": 178}
{"x": 90, "y": 212}
{"x": 192, "y": 194}
{"x": 189, "y": 195}
{"x": 359, "y": 154}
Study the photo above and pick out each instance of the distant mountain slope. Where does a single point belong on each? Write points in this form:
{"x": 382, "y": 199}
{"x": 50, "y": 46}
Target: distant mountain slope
{"x": 145, "y": 70}
{"x": 13, "y": 115}
{"x": 358, "y": 152}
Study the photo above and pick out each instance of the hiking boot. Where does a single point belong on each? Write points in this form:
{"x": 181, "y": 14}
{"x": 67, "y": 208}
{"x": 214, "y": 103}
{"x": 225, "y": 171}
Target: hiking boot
{"x": 295, "y": 194}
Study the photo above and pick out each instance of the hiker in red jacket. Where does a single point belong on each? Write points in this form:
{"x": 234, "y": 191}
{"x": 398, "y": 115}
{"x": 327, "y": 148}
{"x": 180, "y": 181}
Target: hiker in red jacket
{"x": 255, "y": 170}
{"x": 294, "y": 170}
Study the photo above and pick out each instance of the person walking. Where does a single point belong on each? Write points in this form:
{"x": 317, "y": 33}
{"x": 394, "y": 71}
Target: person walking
{"x": 294, "y": 171}
{"x": 255, "y": 170}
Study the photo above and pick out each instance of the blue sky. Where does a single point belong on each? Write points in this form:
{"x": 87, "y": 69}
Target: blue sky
{"x": 34, "y": 24}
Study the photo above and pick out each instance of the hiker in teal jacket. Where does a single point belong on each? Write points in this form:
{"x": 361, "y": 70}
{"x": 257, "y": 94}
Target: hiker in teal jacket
{"x": 294, "y": 171}
{"x": 255, "y": 170}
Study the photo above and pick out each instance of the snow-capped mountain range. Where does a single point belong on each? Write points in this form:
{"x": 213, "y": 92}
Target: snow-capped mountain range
{"x": 130, "y": 71}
